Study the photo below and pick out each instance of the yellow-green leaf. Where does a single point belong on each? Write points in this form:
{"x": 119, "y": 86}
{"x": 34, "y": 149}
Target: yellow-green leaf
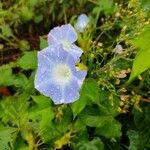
{"x": 142, "y": 60}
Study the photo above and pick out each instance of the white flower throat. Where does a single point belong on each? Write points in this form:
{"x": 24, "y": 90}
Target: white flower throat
{"x": 66, "y": 45}
{"x": 62, "y": 73}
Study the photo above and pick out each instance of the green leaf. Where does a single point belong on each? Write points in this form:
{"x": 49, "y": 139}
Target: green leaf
{"x": 89, "y": 92}
{"x": 42, "y": 111}
{"x": 24, "y": 84}
{"x": 109, "y": 103}
{"x": 43, "y": 43}
{"x": 82, "y": 133}
{"x": 122, "y": 64}
{"x": 104, "y": 5}
{"x": 21, "y": 81}
{"x": 6, "y": 31}
{"x": 33, "y": 3}
{"x": 6, "y": 76}
{"x": 38, "y": 18}
{"x": 145, "y": 4}
{"x": 134, "y": 139}
{"x": 110, "y": 130}
{"x": 96, "y": 121}
{"x": 15, "y": 110}
{"x": 26, "y": 13}
{"x": 142, "y": 60}
{"x": 58, "y": 126}
{"x": 42, "y": 101}
{"x": 6, "y": 137}
{"x": 95, "y": 144}
{"x": 20, "y": 145}
{"x": 141, "y": 133}
{"x": 107, "y": 6}
{"x": 28, "y": 60}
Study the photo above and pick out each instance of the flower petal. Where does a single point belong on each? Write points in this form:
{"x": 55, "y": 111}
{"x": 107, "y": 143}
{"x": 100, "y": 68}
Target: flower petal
{"x": 52, "y": 90}
{"x": 78, "y": 74}
{"x": 82, "y": 22}
{"x": 71, "y": 92}
{"x": 44, "y": 70}
{"x": 60, "y": 34}
{"x": 54, "y": 54}
{"x": 75, "y": 51}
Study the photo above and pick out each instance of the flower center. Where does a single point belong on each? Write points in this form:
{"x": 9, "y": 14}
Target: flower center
{"x": 66, "y": 45}
{"x": 62, "y": 73}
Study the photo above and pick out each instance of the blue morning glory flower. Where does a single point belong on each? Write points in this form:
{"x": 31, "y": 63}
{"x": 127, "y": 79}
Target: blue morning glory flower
{"x": 82, "y": 22}
{"x": 66, "y": 36}
{"x": 57, "y": 76}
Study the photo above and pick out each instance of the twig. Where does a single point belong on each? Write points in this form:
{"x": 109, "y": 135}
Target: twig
{"x": 146, "y": 100}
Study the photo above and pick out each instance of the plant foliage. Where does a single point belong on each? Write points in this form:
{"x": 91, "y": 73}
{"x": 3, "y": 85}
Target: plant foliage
{"x": 112, "y": 112}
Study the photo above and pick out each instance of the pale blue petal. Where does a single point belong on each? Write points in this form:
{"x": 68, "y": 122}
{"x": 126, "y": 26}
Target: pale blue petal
{"x": 44, "y": 69}
{"x": 82, "y": 22}
{"x": 55, "y": 53}
{"x": 62, "y": 33}
{"x": 52, "y": 90}
{"x": 71, "y": 63}
{"x": 69, "y": 33}
{"x": 79, "y": 75}
{"x": 75, "y": 51}
{"x": 56, "y": 93}
{"x": 71, "y": 91}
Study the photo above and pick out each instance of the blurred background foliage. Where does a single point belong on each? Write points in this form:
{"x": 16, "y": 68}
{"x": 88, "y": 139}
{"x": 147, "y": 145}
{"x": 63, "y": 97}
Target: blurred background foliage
{"x": 113, "y": 110}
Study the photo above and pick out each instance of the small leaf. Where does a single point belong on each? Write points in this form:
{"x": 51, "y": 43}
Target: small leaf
{"x": 38, "y": 18}
{"x": 142, "y": 60}
{"x": 28, "y": 60}
{"x": 6, "y": 76}
{"x": 6, "y": 31}
{"x": 24, "y": 45}
{"x": 26, "y": 13}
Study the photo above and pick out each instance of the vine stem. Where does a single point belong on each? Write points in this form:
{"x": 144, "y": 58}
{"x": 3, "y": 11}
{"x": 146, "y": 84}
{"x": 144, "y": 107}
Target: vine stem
{"x": 146, "y": 100}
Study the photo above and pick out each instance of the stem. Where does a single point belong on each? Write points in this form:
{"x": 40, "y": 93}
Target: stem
{"x": 146, "y": 100}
